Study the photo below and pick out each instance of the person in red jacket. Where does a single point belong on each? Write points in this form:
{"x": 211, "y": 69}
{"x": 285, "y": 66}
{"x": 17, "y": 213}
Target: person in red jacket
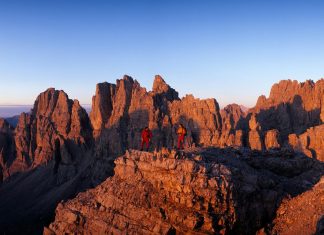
{"x": 146, "y": 138}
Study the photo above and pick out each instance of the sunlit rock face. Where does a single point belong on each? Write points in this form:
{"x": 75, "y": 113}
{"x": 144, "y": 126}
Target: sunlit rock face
{"x": 291, "y": 111}
{"x": 206, "y": 191}
{"x": 262, "y": 154}
{"x": 53, "y": 116}
{"x": 311, "y": 142}
{"x": 292, "y": 107}
{"x": 271, "y": 139}
{"x": 120, "y": 111}
{"x": 302, "y": 214}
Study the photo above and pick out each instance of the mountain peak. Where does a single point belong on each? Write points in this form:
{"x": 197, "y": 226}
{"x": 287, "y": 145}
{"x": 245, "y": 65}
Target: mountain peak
{"x": 162, "y": 88}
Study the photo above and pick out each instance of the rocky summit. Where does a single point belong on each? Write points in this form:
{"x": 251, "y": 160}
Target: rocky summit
{"x": 54, "y": 116}
{"x": 238, "y": 170}
{"x": 202, "y": 191}
{"x": 120, "y": 111}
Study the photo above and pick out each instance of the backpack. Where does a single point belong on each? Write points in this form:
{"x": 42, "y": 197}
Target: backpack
{"x": 182, "y": 131}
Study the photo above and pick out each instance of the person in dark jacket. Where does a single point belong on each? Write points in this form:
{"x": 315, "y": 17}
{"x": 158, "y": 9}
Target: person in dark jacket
{"x": 146, "y": 138}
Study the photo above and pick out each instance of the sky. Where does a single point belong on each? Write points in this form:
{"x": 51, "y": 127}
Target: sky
{"x": 229, "y": 50}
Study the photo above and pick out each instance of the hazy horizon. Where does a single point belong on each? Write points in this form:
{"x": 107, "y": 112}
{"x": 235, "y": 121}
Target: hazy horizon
{"x": 232, "y": 51}
{"x": 8, "y": 111}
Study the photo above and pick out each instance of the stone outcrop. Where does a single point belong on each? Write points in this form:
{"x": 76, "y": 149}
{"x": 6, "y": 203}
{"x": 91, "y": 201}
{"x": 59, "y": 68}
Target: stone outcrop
{"x": 271, "y": 139}
{"x": 129, "y": 108}
{"x": 120, "y": 111}
{"x": 201, "y": 118}
{"x": 231, "y": 132}
{"x": 302, "y": 214}
{"x": 207, "y": 191}
{"x": 255, "y": 140}
{"x": 162, "y": 89}
{"x": 231, "y": 116}
{"x": 102, "y": 105}
{"x": 54, "y": 116}
{"x": 292, "y": 107}
{"x": 310, "y": 143}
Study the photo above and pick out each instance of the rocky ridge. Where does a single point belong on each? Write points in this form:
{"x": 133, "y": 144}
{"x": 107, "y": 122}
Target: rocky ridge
{"x": 291, "y": 118}
{"x": 128, "y": 108}
{"x": 294, "y": 109}
{"x": 120, "y": 111}
{"x": 204, "y": 191}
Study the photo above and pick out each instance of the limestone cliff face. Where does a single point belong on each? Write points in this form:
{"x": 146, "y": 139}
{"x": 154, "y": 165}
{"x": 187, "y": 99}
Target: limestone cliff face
{"x": 231, "y": 132}
{"x": 129, "y": 108}
{"x": 255, "y": 138}
{"x": 310, "y": 142}
{"x": 120, "y": 111}
{"x": 272, "y": 139}
{"x": 202, "y": 192}
{"x": 118, "y": 117}
{"x": 161, "y": 88}
{"x": 231, "y": 116}
{"x": 292, "y": 107}
{"x": 54, "y": 116}
{"x": 102, "y": 105}
{"x": 201, "y": 117}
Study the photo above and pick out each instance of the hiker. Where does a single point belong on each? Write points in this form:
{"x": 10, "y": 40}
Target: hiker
{"x": 146, "y": 138}
{"x": 57, "y": 155}
{"x": 181, "y": 132}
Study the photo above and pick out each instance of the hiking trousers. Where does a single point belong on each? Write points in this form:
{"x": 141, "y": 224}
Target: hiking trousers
{"x": 181, "y": 139}
{"x": 146, "y": 142}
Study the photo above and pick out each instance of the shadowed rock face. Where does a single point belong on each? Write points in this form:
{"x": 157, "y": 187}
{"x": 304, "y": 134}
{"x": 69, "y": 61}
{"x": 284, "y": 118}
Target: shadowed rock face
{"x": 210, "y": 191}
{"x": 6, "y": 146}
{"x": 292, "y": 107}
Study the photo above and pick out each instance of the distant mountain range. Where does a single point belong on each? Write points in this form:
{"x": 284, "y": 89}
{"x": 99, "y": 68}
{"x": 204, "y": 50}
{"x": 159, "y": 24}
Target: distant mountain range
{"x": 13, "y": 121}
{"x": 11, "y": 113}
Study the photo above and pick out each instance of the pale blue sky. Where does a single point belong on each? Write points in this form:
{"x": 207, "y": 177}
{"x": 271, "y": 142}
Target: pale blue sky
{"x": 230, "y": 50}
